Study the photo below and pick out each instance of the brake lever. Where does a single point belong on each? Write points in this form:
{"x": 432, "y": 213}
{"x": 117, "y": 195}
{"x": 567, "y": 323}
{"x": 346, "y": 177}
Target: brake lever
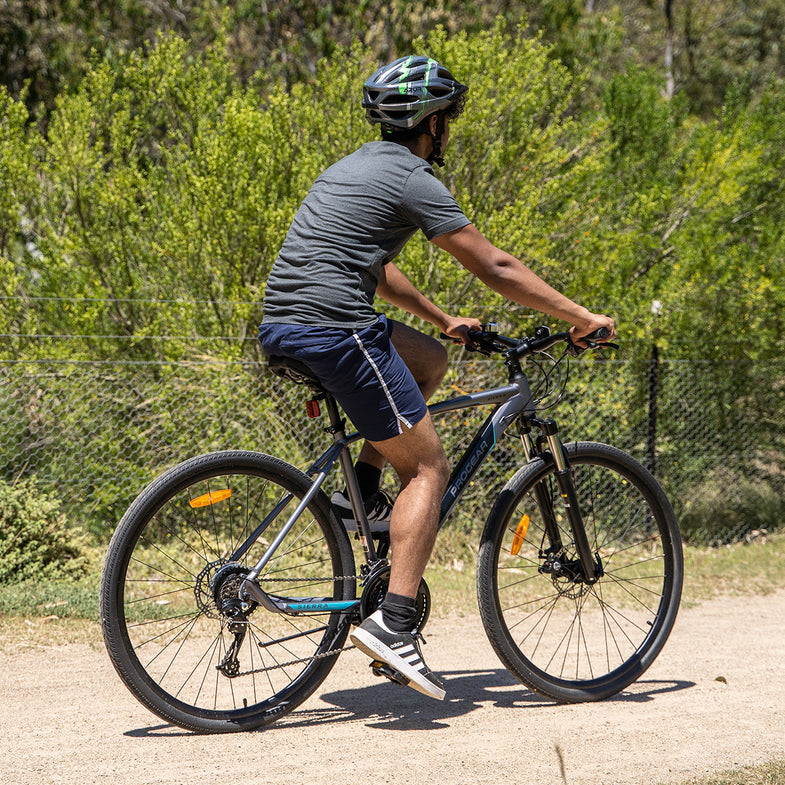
{"x": 576, "y": 351}
{"x": 472, "y": 346}
{"x": 477, "y": 348}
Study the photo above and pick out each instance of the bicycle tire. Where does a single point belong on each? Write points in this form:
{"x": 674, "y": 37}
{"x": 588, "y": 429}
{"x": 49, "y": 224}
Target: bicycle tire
{"x": 166, "y": 585}
{"x": 566, "y": 639}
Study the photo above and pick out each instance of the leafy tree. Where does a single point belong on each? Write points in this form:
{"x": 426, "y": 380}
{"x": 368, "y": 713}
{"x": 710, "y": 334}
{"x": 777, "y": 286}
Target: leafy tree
{"x": 17, "y": 176}
{"x": 163, "y": 179}
{"x": 713, "y": 46}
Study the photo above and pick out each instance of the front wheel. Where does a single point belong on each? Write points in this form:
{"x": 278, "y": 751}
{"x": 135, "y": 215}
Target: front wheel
{"x": 176, "y": 628}
{"x": 567, "y": 638}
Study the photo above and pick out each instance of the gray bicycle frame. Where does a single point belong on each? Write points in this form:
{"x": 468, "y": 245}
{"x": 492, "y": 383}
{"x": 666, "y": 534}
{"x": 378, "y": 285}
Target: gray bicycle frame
{"x": 510, "y": 401}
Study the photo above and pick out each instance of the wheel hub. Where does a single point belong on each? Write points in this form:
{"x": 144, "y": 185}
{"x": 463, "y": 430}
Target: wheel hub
{"x": 567, "y": 575}
{"x": 217, "y": 590}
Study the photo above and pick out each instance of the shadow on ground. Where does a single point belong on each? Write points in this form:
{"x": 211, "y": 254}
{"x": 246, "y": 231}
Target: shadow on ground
{"x": 392, "y": 707}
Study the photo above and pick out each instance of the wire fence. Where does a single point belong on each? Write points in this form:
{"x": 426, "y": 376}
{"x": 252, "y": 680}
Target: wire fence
{"x": 92, "y": 434}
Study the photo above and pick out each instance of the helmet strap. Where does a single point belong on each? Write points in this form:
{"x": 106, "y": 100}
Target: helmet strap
{"x": 436, "y": 154}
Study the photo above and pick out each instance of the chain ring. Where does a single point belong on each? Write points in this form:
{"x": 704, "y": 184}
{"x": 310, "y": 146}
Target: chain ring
{"x": 375, "y": 589}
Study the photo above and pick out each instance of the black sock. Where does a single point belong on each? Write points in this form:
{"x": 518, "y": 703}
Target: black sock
{"x": 398, "y": 612}
{"x": 368, "y": 478}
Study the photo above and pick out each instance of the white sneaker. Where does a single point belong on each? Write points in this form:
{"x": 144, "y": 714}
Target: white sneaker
{"x": 399, "y": 650}
{"x": 378, "y": 508}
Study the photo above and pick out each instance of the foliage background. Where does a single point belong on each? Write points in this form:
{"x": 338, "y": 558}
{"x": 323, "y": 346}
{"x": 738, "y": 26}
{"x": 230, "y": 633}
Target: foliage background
{"x": 152, "y": 155}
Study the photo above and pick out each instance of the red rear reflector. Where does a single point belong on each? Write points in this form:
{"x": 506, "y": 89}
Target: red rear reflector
{"x": 312, "y": 407}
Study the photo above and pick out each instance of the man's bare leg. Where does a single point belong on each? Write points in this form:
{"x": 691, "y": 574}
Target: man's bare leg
{"x": 387, "y": 634}
{"x": 418, "y": 458}
{"x": 426, "y": 358}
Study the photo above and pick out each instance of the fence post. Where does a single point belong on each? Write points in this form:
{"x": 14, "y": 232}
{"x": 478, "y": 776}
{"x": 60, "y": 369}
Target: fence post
{"x": 654, "y": 382}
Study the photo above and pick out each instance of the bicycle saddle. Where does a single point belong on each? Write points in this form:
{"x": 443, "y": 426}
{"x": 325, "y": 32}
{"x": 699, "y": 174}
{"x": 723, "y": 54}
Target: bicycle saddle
{"x": 294, "y": 371}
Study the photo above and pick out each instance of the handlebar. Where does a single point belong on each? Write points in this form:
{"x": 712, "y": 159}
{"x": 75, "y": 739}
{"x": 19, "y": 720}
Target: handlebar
{"x": 488, "y": 341}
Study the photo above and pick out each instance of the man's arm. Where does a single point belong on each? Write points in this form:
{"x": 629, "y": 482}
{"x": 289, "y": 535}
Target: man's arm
{"x": 397, "y": 289}
{"x": 514, "y": 280}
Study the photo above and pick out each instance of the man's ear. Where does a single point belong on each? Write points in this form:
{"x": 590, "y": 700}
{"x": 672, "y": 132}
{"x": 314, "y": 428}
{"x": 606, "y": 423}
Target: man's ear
{"x": 432, "y": 121}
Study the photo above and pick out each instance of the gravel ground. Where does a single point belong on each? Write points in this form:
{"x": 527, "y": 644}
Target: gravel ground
{"x": 715, "y": 699}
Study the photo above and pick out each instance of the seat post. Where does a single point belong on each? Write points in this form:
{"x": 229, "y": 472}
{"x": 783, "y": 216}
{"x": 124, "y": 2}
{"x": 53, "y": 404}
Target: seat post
{"x": 337, "y": 429}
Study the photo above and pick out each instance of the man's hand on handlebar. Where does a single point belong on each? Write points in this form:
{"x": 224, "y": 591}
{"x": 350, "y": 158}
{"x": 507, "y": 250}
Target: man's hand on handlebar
{"x": 602, "y": 332}
{"x": 601, "y": 326}
{"x": 457, "y": 329}
{"x": 486, "y": 339}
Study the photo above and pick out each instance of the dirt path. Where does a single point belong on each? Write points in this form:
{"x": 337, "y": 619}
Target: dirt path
{"x": 715, "y": 699}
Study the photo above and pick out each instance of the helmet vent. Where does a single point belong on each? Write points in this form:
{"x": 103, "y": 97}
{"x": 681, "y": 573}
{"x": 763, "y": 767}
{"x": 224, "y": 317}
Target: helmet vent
{"x": 398, "y": 98}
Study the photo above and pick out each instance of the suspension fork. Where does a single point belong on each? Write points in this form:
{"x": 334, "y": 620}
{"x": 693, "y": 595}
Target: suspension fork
{"x": 541, "y": 494}
{"x": 569, "y": 497}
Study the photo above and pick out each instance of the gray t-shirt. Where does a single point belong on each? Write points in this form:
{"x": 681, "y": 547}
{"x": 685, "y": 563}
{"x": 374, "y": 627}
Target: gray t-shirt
{"x": 358, "y": 216}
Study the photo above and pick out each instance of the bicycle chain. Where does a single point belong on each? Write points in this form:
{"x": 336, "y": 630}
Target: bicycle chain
{"x": 314, "y": 579}
{"x": 331, "y": 653}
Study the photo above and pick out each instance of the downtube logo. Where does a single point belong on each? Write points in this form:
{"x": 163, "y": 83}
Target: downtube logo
{"x": 484, "y": 445}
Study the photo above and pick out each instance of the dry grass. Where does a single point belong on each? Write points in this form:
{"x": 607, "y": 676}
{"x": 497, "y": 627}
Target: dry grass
{"x": 772, "y": 773}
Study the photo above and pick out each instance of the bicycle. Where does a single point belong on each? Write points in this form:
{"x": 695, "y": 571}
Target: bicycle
{"x": 229, "y": 586}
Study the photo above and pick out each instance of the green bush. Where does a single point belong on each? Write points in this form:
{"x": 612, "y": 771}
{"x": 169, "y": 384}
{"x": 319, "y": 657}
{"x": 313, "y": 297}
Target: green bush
{"x": 727, "y": 508}
{"x": 65, "y": 599}
{"x": 35, "y": 541}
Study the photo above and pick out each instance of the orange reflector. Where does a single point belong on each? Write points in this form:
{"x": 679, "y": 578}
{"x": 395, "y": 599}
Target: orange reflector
{"x": 205, "y": 500}
{"x": 520, "y": 534}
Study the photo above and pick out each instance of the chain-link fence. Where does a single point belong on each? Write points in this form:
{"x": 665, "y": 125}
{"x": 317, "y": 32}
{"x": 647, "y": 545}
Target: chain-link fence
{"x": 93, "y": 434}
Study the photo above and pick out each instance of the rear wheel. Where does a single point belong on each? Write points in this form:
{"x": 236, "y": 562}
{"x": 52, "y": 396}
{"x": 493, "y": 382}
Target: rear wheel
{"x": 562, "y": 636}
{"x": 176, "y": 630}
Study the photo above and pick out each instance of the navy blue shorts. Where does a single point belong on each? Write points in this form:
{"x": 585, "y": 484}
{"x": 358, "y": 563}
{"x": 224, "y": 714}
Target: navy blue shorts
{"x": 360, "y": 368}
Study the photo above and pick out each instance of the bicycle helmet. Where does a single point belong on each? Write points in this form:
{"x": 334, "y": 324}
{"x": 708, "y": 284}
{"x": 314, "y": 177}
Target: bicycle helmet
{"x": 405, "y": 92}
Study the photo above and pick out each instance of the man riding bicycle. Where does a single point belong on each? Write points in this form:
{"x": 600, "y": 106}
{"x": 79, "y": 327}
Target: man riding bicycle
{"x": 318, "y": 309}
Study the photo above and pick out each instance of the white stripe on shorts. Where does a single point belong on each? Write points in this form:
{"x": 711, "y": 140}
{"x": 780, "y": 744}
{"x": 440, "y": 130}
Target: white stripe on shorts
{"x": 398, "y": 417}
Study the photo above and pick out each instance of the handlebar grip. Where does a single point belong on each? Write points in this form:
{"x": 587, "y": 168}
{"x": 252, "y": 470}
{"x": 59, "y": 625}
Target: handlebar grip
{"x": 592, "y": 339}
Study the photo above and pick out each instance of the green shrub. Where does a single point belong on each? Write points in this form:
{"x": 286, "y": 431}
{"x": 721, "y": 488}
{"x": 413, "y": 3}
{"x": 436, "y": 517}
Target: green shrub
{"x": 64, "y": 599}
{"x": 727, "y": 508}
{"x": 35, "y": 541}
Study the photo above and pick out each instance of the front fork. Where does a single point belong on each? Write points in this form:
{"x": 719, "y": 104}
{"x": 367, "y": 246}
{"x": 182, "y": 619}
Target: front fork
{"x": 591, "y": 568}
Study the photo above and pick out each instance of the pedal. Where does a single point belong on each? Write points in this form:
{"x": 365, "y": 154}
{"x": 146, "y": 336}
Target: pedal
{"x": 380, "y": 668}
